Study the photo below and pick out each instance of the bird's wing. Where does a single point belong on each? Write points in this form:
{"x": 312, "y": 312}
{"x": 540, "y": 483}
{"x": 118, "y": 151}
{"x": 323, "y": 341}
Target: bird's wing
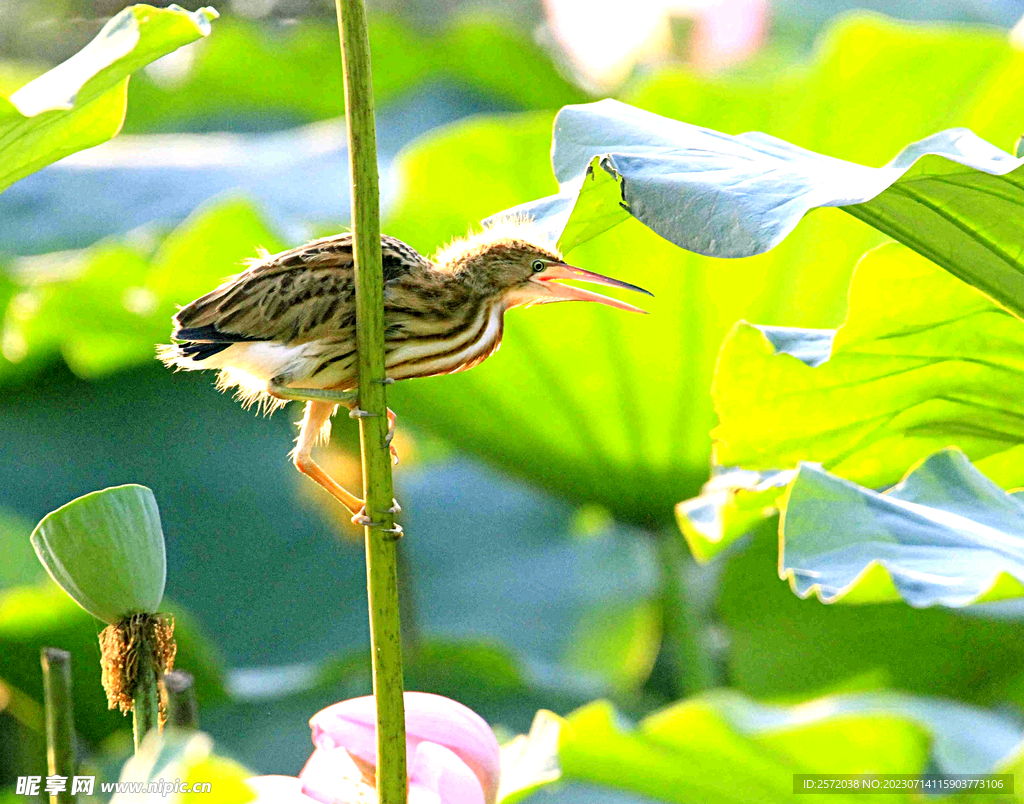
{"x": 298, "y": 295}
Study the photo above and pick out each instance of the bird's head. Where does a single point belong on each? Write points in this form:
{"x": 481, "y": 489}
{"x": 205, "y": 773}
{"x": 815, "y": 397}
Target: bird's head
{"x": 514, "y": 262}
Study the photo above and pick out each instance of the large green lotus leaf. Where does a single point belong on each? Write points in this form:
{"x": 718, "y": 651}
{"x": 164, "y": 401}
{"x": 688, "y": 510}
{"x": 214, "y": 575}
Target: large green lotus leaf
{"x": 105, "y": 307}
{"x": 867, "y": 400}
{"x": 952, "y": 196}
{"x": 723, "y": 747}
{"x": 921, "y": 362}
{"x": 81, "y": 103}
{"x": 946, "y": 535}
{"x": 252, "y": 76}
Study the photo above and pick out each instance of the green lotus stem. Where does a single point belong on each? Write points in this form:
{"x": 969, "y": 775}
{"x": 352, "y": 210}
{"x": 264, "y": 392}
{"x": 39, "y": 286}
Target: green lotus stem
{"x": 685, "y": 640}
{"x": 381, "y": 560}
{"x": 182, "y": 709}
{"x": 60, "y": 721}
{"x": 145, "y": 698}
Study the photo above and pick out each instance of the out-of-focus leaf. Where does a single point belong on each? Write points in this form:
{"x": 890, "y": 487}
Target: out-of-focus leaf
{"x": 106, "y": 550}
{"x": 530, "y": 761}
{"x": 35, "y": 616}
{"x": 81, "y": 102}
{"x": 785, "y": 646}
{"x": 20, "y": 565}
{"x": 724, "y": 747}
{"x": 952, "y": 196}
{"x": 946, "y": 535}
{"x": 106, "y": 307}
{"x": 187, "y": 757}
{"x": 479, "y": 674}
{"x": 923, "y": 361}
{"x": 617, "y": 644}
{"x": 473, "y": 599}
{"x": 252, "y": 77}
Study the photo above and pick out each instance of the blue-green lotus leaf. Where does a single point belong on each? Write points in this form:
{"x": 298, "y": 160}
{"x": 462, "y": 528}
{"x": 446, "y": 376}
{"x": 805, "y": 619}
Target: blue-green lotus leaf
{"x": 952, "y": 196}
{"x": 946, "y": 535}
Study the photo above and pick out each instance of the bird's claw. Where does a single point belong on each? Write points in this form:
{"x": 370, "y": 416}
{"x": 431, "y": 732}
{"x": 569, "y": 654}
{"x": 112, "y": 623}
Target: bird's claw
{"x": 360, "y": 518}
{"x": 386, "y": 381}
{"x": 395, "y": 532}
{"x": 359, "y": 413}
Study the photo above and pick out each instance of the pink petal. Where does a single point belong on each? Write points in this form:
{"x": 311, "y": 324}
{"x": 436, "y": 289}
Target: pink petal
{"x": 278, "y": 790}
{"x": 331, "y": 777}
{"x": 438, "y": 776}
{"x": 431, "y": 718}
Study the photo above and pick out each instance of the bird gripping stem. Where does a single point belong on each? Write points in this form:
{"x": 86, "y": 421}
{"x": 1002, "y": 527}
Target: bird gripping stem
{"x": 381, "y": 551}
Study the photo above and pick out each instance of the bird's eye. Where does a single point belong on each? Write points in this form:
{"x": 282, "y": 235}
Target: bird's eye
{"x": 538, "y": 266}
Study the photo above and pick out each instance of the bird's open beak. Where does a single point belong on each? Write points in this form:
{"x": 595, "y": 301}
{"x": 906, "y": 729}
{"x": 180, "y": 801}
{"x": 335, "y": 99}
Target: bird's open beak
{"x": 550, "y": 290}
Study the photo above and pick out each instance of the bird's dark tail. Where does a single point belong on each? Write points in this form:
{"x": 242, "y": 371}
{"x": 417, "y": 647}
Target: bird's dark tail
{"x": 189, "y": 354}
{"x": 201, "y": 351}
{"x": 196, "y": 344}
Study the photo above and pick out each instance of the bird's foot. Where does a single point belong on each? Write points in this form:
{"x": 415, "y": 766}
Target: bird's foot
{"x": 394, "y": 533}
{"x": 359, "y": 413}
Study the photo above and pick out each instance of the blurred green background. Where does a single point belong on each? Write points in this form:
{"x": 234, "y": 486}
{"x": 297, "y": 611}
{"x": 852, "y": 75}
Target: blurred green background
{"x": 542, "y": 567}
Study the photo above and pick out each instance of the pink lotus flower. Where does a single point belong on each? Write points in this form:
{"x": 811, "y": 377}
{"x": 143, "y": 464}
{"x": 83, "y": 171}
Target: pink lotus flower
{"x": 452, "y": 756}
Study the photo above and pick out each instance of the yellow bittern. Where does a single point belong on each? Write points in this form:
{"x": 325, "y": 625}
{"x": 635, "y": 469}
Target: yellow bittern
{"x": 284, "y": 329}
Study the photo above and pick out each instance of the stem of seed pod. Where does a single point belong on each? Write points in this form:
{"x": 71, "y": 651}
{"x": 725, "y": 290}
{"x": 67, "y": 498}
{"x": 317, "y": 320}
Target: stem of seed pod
{"x": 381, "y": 559}
{"x": 60, "y": 721}
{"x": 146, "y": 697}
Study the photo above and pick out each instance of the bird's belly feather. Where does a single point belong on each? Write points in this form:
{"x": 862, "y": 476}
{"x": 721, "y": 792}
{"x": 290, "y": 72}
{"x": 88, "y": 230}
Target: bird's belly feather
{"x": 448, "y": 356}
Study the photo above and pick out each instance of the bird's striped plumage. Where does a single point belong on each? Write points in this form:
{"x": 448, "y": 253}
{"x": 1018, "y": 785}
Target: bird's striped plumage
{"x": 285, "y": 328}
{"x": 292, "y": 316}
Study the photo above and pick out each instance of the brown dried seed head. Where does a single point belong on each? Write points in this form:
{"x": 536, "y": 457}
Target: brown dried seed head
{"x": 121, "y": 646}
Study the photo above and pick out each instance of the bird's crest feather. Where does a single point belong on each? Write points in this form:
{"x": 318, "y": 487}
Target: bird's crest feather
{"x": 510, "y": 229}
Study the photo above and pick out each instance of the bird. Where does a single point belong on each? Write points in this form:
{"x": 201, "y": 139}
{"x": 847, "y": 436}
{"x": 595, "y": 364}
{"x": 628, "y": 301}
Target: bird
{"x": 284, "y": 328}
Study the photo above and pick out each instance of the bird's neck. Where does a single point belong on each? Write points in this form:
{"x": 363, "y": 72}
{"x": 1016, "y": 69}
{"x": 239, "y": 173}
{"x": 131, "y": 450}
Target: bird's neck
{"x": 464, "y": 288}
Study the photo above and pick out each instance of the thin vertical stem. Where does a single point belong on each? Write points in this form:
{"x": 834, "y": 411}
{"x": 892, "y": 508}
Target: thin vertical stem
{"x": 381, "y": 559}
{"x": 146, "y": 698}
{"x": 60, "y": 721}
{"x": 182, "y": 709}
{"x": 686, "y": 642}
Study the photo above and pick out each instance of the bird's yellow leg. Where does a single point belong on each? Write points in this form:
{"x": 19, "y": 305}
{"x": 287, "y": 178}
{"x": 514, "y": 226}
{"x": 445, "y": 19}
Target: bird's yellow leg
{"x": 350, "y": 399}
{"x": 316, "y": 416}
